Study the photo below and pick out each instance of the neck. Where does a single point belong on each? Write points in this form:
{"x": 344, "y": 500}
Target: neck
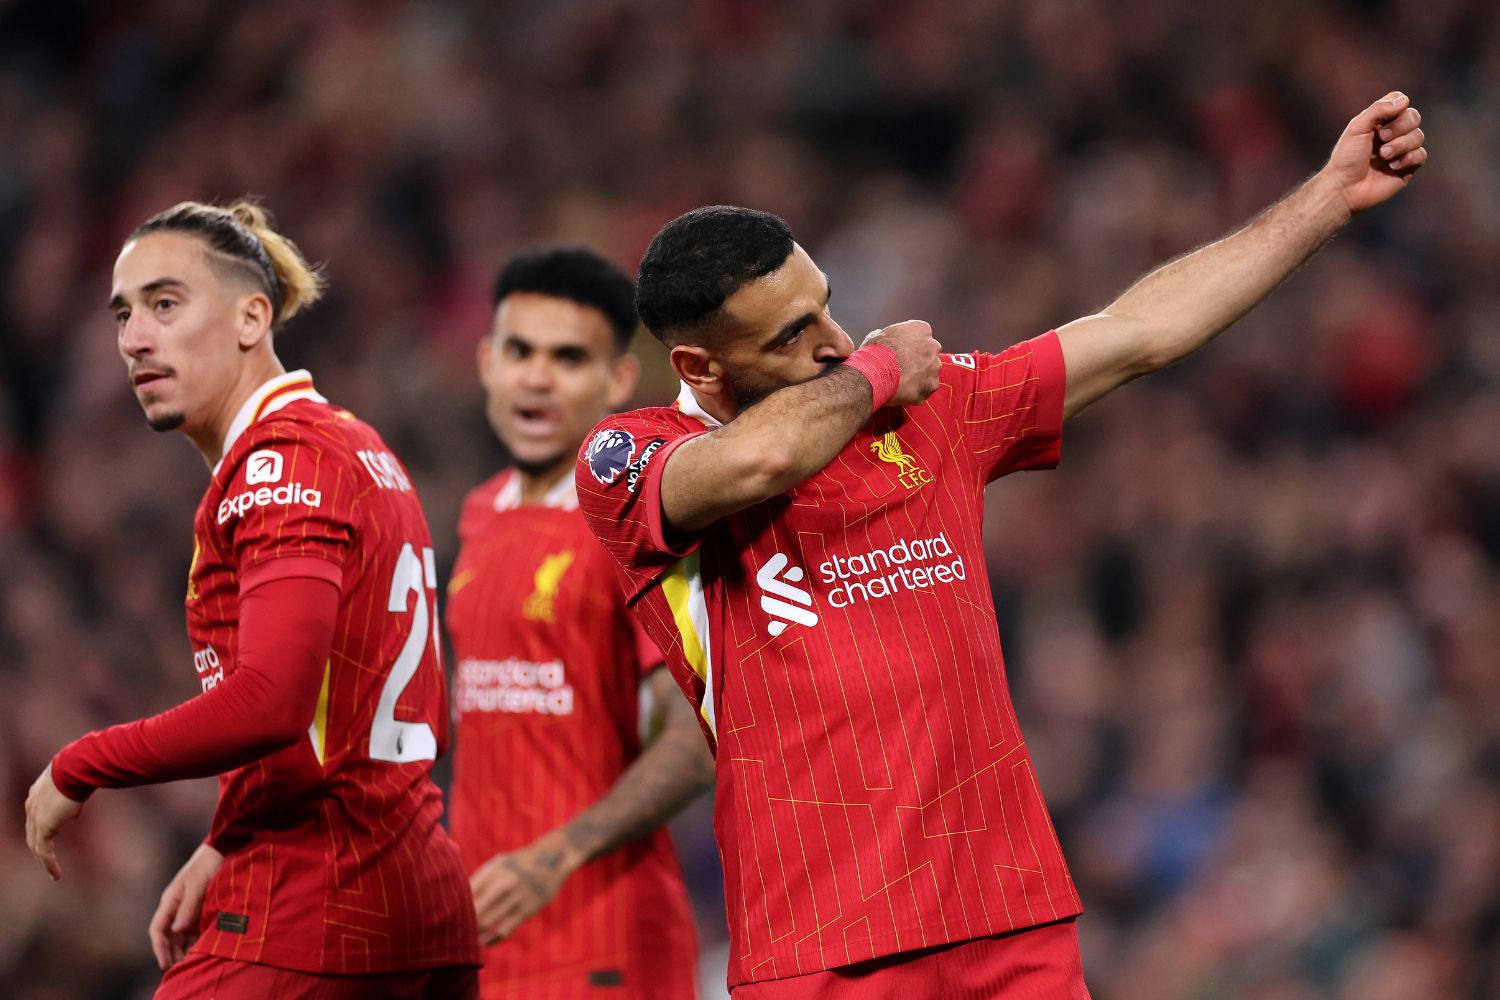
{"x": 722, "y": 410}
{"x": 208, "y": 436}
{"x": 537, "y": 483}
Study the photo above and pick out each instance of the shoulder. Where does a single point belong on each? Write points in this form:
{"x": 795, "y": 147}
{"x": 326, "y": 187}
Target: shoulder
{"x": 623, "y": 438}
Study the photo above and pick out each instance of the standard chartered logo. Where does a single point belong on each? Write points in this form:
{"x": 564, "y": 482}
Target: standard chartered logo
{"x": 909, "y": 564}
{"x": 780, "y": 599}
{"x": 905, "y": 565}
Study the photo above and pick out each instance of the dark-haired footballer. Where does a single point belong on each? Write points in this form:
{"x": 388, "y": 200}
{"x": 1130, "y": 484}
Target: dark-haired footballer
{"x": 311, "y": 608}
{"x": 801, "y": 536}
{"x": 557, "y": 805}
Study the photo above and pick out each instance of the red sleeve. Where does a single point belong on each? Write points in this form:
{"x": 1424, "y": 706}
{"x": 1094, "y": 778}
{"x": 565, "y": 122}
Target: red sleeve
{"x": 289, "y": 494}
{"x": 646, "y": 653}
{"x": 265, "y": 704}
{"x": 619, "y": 492}
{"x": 1012, "y": 404}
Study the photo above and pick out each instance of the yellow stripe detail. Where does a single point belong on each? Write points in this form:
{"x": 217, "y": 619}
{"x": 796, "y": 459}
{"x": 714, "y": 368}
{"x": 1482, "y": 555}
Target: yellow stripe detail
{"x": 678, "y": 592}
{"x": 320, "y": 717}
{"x": 459, "y": 581}
{"x": 277, "y": 393}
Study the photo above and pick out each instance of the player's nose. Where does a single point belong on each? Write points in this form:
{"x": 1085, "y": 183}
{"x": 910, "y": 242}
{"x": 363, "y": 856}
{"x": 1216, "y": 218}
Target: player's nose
{"x": 136, "y": 336}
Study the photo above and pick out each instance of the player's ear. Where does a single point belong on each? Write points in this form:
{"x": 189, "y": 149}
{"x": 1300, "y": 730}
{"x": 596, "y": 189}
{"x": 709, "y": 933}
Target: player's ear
{"x": 697, "y": 367}
{"x": 254, "y": 320}
{"x": 624, "y": 376}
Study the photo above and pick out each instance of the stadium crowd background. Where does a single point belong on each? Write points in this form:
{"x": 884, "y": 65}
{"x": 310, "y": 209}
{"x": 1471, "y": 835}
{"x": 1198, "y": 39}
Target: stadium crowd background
{"x": 1253, "y": 623}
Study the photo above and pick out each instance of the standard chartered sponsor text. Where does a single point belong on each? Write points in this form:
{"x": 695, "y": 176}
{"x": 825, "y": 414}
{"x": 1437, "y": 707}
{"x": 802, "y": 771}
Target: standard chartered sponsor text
{"x": 515, "y": 686}
{"x": 909, "y": 564}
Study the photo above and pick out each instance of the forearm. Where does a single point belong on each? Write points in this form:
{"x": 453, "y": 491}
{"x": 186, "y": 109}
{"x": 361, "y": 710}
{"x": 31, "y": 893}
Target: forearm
{"x": 765, "y": 450}
{"x": 263, "y": 706}
{"x": 1180, "y": 306}
{"x": 672, "y": 771}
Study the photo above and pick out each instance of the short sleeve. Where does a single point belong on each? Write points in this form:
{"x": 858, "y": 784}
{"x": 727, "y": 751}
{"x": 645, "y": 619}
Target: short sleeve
{"x": 1012, "y": 405}
{"x": 619, "y": 492}
{"x": 647, "y": 654}
{"x": 287, "y": 508}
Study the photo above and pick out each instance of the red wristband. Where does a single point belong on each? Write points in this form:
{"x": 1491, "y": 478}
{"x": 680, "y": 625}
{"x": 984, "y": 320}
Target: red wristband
{"x": 878, "y": 364}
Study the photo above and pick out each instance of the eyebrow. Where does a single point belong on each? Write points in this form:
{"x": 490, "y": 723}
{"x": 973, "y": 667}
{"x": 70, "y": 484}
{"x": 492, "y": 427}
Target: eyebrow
{"x": 149, "y": 287}
{"x": 786, "y": 332}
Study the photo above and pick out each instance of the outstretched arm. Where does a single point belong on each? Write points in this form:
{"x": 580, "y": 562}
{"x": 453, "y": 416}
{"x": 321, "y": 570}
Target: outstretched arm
{"x": 673, "y": 769}
{"x": 1182, "y": 305}
{"x": 286, "y": 629}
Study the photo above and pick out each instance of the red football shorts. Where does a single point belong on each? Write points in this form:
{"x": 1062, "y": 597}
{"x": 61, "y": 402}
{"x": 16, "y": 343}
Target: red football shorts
{"x": 209, "y": 977}
{"x": 1039, "y": 963}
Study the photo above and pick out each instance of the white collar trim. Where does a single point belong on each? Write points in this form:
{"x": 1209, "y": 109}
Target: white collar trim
{"x": 688, "y": 403}
{"x": 247, "y": 413}
{"x": 562, "y": 496}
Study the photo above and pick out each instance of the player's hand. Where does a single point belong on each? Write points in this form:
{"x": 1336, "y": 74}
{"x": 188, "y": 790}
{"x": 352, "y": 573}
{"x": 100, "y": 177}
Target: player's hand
{"x": 47, "y": 811}
{"x": 511, "y": 887}
{"x": 1378, "y": 153}
{"x": 917, "y": 353}
{"x": 174, "y": 926}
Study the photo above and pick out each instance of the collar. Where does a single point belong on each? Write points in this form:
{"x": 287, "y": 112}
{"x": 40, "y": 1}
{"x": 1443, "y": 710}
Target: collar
{"x": 688, "y": 403}
{"x": 267, "y": 399}
{"x": 562, "y": 496}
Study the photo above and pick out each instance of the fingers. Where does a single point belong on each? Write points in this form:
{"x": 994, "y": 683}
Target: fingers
{"x": 1384, "y": 110}
{"x": 157, "y": 931}
{"x": 1410, "y": 162}
{"x": 188, "y": 911}
{"x": 1403, "y": 123}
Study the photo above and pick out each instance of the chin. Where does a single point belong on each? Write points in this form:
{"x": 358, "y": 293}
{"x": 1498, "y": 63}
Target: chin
{"x": 168, "y": 421}
{"x": 536, "y": 465}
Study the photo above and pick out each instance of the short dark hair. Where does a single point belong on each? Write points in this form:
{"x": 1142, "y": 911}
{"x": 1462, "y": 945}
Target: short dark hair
{"x": 577, "y": 274}
{"x": 700, "y": 259}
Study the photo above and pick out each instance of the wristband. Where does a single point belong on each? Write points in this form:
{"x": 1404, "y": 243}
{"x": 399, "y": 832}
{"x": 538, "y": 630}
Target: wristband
{"x": 878, "y": 364}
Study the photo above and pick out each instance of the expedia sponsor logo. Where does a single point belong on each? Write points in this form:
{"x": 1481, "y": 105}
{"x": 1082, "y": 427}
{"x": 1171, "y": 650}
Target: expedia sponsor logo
{"x": 634, "y": 469}
{"x": 909, "y": 564}
{"x": 514, "y": 686}
{"x": 263, "y": 466}
{"x": 780, "y": 598}
{"x": 609, "y": 453}
{"x": 281, "y": 496}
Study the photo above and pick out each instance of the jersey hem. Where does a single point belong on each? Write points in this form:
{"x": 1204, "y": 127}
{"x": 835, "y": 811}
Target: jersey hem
{"x": 896, "y": 942}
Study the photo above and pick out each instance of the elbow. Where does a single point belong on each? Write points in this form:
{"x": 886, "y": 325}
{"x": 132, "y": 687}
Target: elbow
{"x": 774, "y": 469}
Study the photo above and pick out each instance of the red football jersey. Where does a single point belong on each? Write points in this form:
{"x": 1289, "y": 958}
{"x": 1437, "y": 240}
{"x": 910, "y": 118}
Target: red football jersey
{"x": 874, "y": 794}
{"x": 550, "y": 664}
{"x": 335, "y": 860}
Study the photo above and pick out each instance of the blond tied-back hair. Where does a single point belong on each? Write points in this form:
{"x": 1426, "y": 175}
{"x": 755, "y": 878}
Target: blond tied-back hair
{"x": 242, "y": 234}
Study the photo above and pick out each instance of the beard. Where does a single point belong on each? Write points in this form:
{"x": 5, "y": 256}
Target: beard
{"x": 748, "y": 390}
{"x": 169, "y": 421}
{"x": 538, "y": 467}
{"x": 751, "y": 389}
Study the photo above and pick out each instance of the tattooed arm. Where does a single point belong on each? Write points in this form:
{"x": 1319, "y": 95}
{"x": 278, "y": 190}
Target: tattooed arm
{"x": 673, "y": 769}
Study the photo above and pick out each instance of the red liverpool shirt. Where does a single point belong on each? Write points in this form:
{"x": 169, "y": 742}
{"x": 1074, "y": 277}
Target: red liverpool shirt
{"x": 874, "y": 793}
{"x": 550, "y": 664}
{"x": 335, "y": 861}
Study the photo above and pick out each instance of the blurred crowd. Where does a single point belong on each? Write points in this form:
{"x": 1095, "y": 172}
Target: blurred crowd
{"x": 1252, "y": 623}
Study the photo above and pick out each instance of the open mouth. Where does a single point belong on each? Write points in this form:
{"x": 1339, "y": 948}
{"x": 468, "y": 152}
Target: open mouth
{"x": 537, "y": 421}
{"x": 146, "y": 377}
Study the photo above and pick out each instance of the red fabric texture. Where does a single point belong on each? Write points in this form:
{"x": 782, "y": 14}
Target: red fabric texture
{"x": 547, "y": 690}
{"x": 286, "y": 630}
{"x": 875, "y": 795}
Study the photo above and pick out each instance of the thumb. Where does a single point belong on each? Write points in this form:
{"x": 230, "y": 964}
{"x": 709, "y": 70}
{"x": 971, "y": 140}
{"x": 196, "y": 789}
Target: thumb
{"x": 1381, "y": 111}
{"x": 189, "y": 908}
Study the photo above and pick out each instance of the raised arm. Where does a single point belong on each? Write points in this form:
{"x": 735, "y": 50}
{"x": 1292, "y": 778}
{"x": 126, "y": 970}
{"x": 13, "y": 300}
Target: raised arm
{"x": 673, "y": 769}
{"x": 1182, "y": 305}
{"x": 794, "y": 432}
